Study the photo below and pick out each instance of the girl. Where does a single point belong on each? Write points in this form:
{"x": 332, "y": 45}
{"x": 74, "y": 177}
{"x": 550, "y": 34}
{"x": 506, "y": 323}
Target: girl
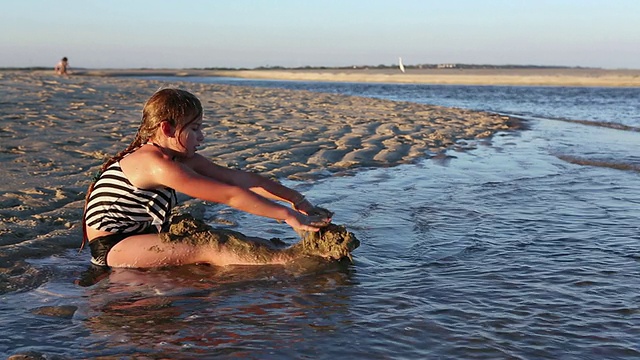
{"x": 130, "y": 202}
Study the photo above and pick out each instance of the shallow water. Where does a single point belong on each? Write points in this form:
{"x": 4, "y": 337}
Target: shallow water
{"x": 601, "y": 104}
{"x": 505, "y": 251}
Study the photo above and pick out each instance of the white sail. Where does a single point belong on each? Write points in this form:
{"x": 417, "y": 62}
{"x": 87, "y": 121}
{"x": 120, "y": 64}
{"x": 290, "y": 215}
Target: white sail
{"x": 400, "y": 64}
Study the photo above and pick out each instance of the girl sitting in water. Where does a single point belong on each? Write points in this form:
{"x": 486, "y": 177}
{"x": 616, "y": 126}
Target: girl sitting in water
{"x": 129, "y": 205}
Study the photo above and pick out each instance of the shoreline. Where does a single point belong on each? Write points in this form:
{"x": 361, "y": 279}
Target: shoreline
{"x": 497, "y": 77}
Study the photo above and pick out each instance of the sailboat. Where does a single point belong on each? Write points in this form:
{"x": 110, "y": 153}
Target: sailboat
{"x": 400, "y": 64}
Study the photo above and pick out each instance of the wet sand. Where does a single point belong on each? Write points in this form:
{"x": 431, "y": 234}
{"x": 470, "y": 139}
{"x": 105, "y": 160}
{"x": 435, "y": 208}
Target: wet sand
{"x": 56, "y": 131}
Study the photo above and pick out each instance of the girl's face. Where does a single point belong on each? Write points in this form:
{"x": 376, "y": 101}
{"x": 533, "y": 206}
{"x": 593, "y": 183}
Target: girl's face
{"x": 191, "y": 137}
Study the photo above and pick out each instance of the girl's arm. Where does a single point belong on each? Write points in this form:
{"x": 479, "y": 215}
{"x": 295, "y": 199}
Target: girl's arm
{"x": 184, "y": 179}
{"x": 251, "y": 181}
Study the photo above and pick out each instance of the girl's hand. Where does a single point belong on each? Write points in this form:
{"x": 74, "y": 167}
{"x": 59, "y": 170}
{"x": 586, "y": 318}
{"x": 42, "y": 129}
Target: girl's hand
{"x": 303, "y": 205}
{"x": 320, "y": 211}
{"x": 300, "y": 221}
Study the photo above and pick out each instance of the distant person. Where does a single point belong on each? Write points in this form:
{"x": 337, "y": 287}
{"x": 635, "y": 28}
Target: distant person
{"x": 62, "y": 68}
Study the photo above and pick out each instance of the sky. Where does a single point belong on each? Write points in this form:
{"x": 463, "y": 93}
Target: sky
{"x": 297, "y": 33}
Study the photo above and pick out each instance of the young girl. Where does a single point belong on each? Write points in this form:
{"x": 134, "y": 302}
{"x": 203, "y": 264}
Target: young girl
{"x": 130, "y": 202}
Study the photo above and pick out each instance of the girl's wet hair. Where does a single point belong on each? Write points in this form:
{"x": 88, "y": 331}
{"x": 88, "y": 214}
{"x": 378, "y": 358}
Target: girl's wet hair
{"x": 178, "y": 107}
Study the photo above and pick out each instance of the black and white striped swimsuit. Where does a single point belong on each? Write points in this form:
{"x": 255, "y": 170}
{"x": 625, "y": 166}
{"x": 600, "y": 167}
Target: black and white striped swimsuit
{"x": 116, "y": 206}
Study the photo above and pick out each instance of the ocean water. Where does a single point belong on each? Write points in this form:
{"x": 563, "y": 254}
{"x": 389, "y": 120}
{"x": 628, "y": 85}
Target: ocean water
{"x": 527, "y": 247}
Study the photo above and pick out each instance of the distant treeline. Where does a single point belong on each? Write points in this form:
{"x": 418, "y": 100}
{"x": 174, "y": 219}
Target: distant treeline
{"x": 351, "y": 67}
{"x": 417, "y": 66}
{"x": 26, "y": 68}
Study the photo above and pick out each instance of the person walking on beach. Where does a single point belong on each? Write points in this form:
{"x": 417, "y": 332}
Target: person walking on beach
{"x": 129, "y": 203}
{"x": 62, "y": 67}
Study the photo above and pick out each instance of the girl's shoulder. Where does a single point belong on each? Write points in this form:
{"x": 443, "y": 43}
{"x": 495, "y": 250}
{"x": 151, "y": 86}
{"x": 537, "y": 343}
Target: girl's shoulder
{"x": 144, "y": 155}
{"x": 142, "y": 166}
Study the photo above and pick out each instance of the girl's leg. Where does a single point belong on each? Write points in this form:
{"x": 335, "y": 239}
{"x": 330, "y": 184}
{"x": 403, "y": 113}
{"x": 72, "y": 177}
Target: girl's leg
{"x": 149, "y": 250}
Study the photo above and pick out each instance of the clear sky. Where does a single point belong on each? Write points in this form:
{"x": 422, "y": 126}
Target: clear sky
{"x": 291, "y": 33}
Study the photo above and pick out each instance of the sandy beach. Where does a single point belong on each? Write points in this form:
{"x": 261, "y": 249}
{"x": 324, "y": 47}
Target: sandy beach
{"x": 56, "y": 131}
{"x": 501, "y": 76}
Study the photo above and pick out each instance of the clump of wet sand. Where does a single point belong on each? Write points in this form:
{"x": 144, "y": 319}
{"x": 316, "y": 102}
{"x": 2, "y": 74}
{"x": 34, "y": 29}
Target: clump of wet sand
{"x": 332, "y": 242}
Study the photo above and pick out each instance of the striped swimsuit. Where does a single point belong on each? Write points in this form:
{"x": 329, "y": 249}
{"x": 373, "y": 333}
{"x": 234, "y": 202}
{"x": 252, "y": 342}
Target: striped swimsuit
{"x": 115, "y": 205}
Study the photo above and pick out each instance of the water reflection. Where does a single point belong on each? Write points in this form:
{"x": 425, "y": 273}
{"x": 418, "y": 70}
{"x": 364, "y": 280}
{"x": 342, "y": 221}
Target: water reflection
{"x": 215, "y": 310}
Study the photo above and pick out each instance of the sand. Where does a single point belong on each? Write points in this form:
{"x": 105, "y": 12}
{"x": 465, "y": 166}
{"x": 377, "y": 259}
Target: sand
{"x": 332, "y": 242}
{"x": 503, "y": 76}
{"x": 56, "y": 131}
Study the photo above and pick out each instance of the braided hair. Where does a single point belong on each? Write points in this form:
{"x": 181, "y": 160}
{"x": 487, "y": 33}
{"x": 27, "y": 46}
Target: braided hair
{"x": 178, "y": 107}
